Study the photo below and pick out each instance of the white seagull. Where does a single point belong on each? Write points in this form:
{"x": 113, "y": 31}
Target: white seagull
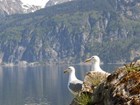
{"x": 74, "y": 84}
{"x": 95, "y": 60}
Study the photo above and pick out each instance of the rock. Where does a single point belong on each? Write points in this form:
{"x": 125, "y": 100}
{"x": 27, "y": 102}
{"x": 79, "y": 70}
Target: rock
{"x": 120, "y": 88}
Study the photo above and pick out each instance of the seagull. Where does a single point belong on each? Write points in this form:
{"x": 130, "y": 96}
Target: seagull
{"x": 95, "y": 60}
{"x": 74, "y": 84}
{"x": 94, "y": 77}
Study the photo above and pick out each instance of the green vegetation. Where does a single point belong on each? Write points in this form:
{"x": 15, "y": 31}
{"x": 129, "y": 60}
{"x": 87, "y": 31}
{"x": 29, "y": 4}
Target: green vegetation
{"x": 77, "y": 29}
{"x": 132, "y": 67}
{"x": 83, "y": 99}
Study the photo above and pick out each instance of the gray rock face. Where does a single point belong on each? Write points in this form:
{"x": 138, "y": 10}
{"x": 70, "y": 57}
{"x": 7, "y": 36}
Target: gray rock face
{"x": 10, "y": 7}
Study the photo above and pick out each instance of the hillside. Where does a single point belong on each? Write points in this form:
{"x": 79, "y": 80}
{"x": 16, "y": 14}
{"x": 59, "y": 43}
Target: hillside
{"x": 72, "y": 31}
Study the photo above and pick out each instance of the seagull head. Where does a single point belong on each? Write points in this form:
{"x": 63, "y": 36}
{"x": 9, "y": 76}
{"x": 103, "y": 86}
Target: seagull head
{"x": 93, "y": 59}
{"x": 69, "y": 69}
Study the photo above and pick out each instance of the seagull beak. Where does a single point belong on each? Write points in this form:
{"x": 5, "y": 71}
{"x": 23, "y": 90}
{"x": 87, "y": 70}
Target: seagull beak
{"x": 65, "y": 71}
{"x": 87, "y": 60}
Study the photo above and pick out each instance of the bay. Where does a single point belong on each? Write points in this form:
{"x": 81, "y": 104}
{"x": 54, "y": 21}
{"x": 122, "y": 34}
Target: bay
{"x": 39, "y": 85}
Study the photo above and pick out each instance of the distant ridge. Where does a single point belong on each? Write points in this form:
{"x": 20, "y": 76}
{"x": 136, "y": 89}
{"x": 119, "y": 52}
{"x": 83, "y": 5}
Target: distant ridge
{"x": 72, "y": 31}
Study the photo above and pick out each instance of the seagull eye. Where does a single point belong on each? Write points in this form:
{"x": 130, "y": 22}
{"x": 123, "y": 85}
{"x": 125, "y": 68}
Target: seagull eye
{"x": 69, "y": 69}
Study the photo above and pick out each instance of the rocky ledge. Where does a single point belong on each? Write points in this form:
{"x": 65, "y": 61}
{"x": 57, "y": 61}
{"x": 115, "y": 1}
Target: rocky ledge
{"x": 122, "y": 87}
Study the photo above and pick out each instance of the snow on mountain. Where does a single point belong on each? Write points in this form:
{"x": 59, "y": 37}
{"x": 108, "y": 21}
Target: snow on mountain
{"x": 40, "y": 3}
{"x": 55, "y": 2}
{"x": 8, "y": 7}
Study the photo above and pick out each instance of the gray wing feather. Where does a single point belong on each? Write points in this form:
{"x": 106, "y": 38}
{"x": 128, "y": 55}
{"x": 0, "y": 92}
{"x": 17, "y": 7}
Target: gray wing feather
{"x": 75, "y": 86}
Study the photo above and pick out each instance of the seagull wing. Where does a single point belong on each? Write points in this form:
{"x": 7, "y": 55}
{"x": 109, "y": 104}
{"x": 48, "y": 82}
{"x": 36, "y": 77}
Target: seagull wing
{"x": 75, "y": 86}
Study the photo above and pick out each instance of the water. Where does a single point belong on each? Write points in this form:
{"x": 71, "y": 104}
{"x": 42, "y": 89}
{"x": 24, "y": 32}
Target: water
{"x": 42, "y": 85}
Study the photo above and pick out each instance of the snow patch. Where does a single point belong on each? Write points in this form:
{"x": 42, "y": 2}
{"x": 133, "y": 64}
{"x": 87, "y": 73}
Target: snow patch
{"x": 41, "y": 3}
{"x": 56, "y": 2}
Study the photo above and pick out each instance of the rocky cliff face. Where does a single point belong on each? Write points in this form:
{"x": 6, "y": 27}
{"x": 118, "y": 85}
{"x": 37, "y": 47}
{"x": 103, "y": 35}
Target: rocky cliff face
{"x": 71, "y": 31}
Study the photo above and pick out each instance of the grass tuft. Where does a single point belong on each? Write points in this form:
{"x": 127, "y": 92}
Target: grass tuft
{"x": 132, "y": 67}
{"x": 83, "y": 99}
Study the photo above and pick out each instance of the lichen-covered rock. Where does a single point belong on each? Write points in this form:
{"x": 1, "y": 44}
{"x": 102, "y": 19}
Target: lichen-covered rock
{"x": 120, "y": 88}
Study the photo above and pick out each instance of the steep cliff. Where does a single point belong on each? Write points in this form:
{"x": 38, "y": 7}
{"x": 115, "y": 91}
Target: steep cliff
{"x": 71, "y": 31}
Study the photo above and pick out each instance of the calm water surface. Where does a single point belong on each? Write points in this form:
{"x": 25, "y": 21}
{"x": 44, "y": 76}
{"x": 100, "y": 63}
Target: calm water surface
{"x": 42, "y": 85}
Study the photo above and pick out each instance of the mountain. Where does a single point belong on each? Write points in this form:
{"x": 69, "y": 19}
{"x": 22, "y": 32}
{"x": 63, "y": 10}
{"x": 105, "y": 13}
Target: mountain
{"x": 40, "y": 3}
{"x": 72, "y": 31}
{"x": 55, "y": 2}
{"x": 8, "y": 7}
